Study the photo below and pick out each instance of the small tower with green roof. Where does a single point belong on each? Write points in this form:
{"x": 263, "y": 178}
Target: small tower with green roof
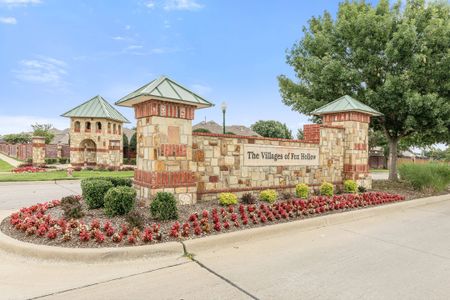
{"x": 164, "y": 111}
{"x": 354, "y": 117}
{"x": 96, "y": 134}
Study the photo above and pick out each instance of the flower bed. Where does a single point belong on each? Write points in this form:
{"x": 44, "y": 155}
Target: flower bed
{"x": 28, "y": 169}
{"x": 43, "y": 223}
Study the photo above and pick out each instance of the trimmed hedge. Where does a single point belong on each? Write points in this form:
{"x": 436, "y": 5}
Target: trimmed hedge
{"x": 94, "y": 192}
{"x": 164, "y": 207}
{"x": 116, "y": 181}
{"x": 119, "y": 200}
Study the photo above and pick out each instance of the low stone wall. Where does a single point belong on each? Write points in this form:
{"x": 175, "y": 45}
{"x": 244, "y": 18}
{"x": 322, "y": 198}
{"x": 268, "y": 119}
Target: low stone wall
{"x": 222, "y": 163}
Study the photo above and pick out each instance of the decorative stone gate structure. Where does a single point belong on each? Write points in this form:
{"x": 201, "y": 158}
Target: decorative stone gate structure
{"x": 198, "y": 166}
{"x": 96, "y": 134}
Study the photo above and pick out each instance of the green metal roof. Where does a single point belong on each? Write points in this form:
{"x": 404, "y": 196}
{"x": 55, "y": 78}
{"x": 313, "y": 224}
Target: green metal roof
{"x": 96, "y": 107}
{"x": 165, "y": 89}
{"x": 345, "y": 103}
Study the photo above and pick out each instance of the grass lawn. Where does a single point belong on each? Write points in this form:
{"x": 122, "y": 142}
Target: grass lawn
{"x": 379, "y": 170}
{"x": 5, "y": 167}
{"x": 62, "y": 175}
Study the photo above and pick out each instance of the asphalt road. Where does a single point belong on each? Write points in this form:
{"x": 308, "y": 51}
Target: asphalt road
{"x": 15, "y": 195}
{"x": 398, "y": 255}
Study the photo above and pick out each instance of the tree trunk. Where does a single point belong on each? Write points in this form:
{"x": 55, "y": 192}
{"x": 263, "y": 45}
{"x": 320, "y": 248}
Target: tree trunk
{"x": 393, "y": 143}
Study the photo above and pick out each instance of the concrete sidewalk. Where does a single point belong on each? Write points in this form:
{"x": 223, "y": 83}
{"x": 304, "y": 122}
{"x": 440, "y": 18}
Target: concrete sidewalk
{"x": 13, "y": 162}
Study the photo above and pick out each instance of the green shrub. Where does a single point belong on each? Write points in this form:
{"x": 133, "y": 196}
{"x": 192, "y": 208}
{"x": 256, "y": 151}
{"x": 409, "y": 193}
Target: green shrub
{"x": 350, "y": 186}
{"x": 362, "y": 189}
{"x": 64, "y": 160}
{"x": 248, "y": 198}
{"x": 135, "y": 218}
{"x": 116, "y": 181}
{"x": 164, "y": 207}
{"x": 119, "y": 200}
{"x": 203, "y": 130}
{"x": 326, "y": 189}
{"x": 72, "y": 207}
{"x": 268, "y": 196}
{"x": 227, "y": 199}
{"x": 301, "y": 190}
{"x": 432, "y": 176}
{"x": 133, "y": 161}
{"x": 51, "y": 161}
{"x": 94, "y": 191}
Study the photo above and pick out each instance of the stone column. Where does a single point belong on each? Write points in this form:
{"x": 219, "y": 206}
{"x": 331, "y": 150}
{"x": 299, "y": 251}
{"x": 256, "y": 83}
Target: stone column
{"x": 38, "y": 143}
{"x": 164, "y": 150}
{"x": 356, "y": 140}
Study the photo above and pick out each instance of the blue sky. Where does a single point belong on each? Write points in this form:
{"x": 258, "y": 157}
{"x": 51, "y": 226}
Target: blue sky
{"x": 55, "y": 55}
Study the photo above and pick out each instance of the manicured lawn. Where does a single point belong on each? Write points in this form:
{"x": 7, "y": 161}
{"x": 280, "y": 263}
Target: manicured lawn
{"x": 5, "y": 167}
{"x": 60, "y": 175}
{"x": 379, "y": 170}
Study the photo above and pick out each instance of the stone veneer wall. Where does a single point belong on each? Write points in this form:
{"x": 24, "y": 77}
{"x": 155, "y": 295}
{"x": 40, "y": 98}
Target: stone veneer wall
{"x": 104, "y": 147}
{"x": 217, "y": 161}
{"x": 38, "y": 152}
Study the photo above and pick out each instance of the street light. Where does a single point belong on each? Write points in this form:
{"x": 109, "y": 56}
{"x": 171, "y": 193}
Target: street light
{"x": 224, "y": 110}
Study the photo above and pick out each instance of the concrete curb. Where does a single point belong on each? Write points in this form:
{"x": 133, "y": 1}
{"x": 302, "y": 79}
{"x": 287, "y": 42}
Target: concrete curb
{"x": 234, "y": 238}
{"x": 30, "y": 182}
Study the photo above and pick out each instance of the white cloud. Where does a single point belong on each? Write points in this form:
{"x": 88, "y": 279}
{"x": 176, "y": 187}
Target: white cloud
{"x": 182, "y": 5}
{"x": 167, "y": 24}
{"x": 8, "y": 20}
{"x": 150, "y": 4}
{"x": 45, "y": 70}
{"x": 19, "y": 2}
{"x": 127, "y": 27}
{"x": 17, "y": 124}
{"x": 118, "y": 38}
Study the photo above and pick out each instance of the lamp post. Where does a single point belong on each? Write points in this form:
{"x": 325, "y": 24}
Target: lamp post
{"x": 224, "y": 110}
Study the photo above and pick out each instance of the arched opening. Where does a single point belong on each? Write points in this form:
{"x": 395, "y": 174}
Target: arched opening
{"x": 88, "y": 127}
{"x": 114, "y": 129}
{"x": 76, "y": 126}
{"x": 88, "y": 153}
{"x": 98, "y": 127}
{"x": 119, "y": 129}
{"x": 109, "y": 127}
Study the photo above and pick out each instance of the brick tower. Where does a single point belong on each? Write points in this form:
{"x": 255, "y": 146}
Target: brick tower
{"x": 164, "y": 111}
{"x": 354, "y": 116}
{"x": 96, "y": 134}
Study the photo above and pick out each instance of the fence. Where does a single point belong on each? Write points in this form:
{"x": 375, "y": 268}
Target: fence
{"x": 24, "y": 152}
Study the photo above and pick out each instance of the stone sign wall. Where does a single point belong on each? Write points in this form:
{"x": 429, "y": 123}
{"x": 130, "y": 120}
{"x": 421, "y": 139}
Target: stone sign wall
{"x": 239, "y": 164}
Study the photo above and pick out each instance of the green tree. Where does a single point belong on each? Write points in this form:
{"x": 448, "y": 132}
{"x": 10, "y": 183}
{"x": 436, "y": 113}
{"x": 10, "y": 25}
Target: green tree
{"x": 133, "y": 143}
{"x": 44, "y": 131}
{"x": 300, "y": 135}
{"x": 17, "y": 138}
{"x": 125, "y": 143}
{"x": 393, "y": 58}
{"x": 272, "y": 129}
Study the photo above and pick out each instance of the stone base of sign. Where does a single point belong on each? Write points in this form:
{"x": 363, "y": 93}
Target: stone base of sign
{"x": 38, "y": 146}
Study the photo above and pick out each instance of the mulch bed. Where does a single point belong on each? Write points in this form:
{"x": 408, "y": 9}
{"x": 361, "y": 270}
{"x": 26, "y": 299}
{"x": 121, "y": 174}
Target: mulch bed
{"x": 259, "y": 214}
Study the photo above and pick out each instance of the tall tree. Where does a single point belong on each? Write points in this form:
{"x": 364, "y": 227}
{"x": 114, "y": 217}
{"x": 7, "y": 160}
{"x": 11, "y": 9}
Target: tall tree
{"x": 17, "y": 138}
{"x": 133, "y": 144}
{"x": 44, "y": 131}
{"x": 395, "y": 59}
{"x": 272, "y": 129}
{"x": 125, "y": 144}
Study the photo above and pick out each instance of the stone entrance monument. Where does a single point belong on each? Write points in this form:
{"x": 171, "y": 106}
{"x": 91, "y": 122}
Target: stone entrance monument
{"x": 198, "y": 166}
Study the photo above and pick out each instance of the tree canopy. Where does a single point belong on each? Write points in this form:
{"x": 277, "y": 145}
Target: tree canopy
{"x": 394, "y": 58}
{"x": 272, "y": 129}
{"x": 17, "y": 138}
{"x": 44, "y": 131}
